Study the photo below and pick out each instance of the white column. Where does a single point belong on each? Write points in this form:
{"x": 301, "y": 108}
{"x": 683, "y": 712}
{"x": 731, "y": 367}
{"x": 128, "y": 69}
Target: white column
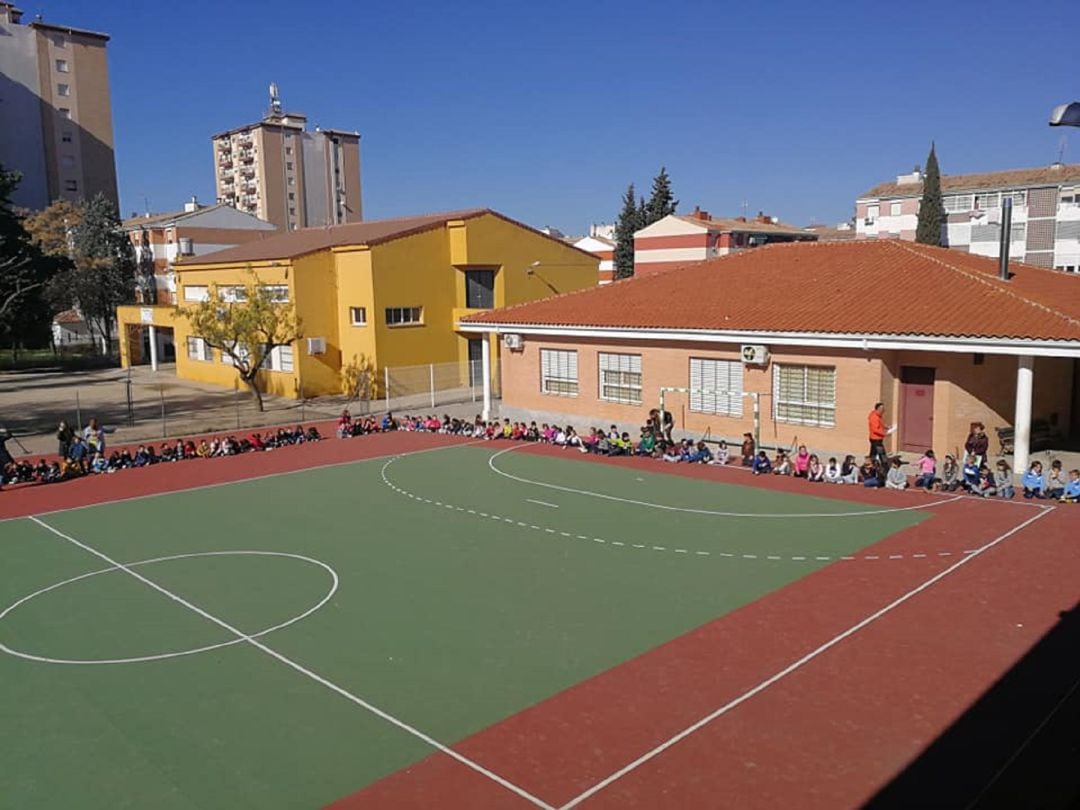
{"x": 1025, "y": 377}
{"x": 485, "y": 370}
{"x": 153, "y": 347}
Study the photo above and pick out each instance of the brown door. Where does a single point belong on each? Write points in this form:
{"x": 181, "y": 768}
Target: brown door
{"x": 916, "y": 408}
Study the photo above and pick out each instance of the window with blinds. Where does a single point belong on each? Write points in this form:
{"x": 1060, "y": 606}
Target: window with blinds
{"x": 716, "y": 386}
{"x": 804, "y": 395}
{"x": 558, "y": 373}
{"x": 197, "y": 349}
{"x": 620, "y": 378}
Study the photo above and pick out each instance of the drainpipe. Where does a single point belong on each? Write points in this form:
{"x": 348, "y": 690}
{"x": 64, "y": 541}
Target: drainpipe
{"x": 1006, "y": 237}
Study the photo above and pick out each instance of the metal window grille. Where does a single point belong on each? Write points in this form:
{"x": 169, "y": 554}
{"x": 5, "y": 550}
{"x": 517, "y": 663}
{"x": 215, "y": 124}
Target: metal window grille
{"x": 620, "y": 378}
{"x": 804, "y": 395}
{"x": 710, "y": 377}
{"x": 558, "y": 372}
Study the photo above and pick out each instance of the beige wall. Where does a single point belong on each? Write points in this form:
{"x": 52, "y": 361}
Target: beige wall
{"x": 964, "y": 392}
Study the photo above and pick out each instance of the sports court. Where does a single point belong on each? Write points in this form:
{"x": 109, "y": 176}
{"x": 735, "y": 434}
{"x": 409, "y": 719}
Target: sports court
{"x": 414, "y": 620}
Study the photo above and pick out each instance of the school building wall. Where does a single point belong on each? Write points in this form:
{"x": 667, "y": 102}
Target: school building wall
{"x": 964, "y": 391}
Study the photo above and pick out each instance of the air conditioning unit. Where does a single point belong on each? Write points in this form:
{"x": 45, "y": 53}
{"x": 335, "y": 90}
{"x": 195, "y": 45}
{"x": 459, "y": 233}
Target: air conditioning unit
{"x": 316, "y": 345}
{"x": 753, "y": 355}
{"x": 513, "y": 342}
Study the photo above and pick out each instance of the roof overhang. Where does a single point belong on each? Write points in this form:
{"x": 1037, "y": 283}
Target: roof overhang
{"x": 846, "y": 341}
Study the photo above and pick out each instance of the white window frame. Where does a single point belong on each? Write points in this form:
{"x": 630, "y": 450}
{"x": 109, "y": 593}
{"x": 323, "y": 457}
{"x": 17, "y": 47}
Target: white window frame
{"x": 784, "y": 407}
{"x": 278, "y": 293}
{"x": 63, "y": 90}
{"x": 62, "y": 66}
{"x": 233, "y": 294}
{"x": 958, "y": 203}
{"x": 362, "y": 320}
{"x": 199, "y": 350}
{"x": 280, "y": 360}
{"x": 619, "y": 377}
{"x": 404, "y": 316}
{"x": 559, "y": 372}
{"x": 896, "y": 209}
{"x": 873, "y": 211}
{"x": 708, "y": 376}
{"x": 196, "y": 293}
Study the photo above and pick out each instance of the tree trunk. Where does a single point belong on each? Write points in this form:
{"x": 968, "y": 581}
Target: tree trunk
{"x": 256, "y": 394}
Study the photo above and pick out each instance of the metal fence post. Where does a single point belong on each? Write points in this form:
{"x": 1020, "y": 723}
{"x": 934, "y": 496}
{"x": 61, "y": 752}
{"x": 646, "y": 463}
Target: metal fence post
{"x": 303, "y": 403}
{"x": 78, "y": 411}
{"x": 386, "y": 386}
{"x": 164, "y": 418}
{"x": 431, "y": 375}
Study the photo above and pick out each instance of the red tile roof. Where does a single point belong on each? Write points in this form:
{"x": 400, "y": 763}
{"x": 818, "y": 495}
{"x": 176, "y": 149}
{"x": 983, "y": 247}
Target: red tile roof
{"x": 308, "y": 240}
{"x": 985, "y": 181}
{"x": 744, "y": 225}
{"x": 872, "y": 287}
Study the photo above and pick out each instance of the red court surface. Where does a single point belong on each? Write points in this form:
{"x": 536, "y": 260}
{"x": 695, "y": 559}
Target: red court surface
{"x": 816, "y": 696}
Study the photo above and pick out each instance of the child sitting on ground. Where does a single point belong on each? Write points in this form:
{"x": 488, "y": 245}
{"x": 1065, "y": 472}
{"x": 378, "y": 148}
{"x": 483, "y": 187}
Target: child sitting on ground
{"x": 950, "y": 475}
{"x": 781, "y": 465}
{"x": 1072, "y": 488}
{"x": 1033, "y": 481}
{"x": 815, "y": 471}
{"x": 927, "y": 471}
{"x": 970, "y": 480}
{"x": 1054, "y": 486}
{"x": 832, "y": 472}
{"x": 896, "y": 478}
{"x": 1003, "y": 480}
{"x": 986, "y": 488}
{"x": 722, "y": 454}
{"x": 761, "y": 465}
{"x": 849, "y": 473}
{"x": 802, "y": 462}
{"x": 868, "y": 473}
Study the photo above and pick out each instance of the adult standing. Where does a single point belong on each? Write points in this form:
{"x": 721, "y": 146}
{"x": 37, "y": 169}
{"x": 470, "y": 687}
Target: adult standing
{"x": 64, "y": 436}
{"x": 978, "y": 443}
{"x": 878, "y": 431}
{"x": 94, "y": 435}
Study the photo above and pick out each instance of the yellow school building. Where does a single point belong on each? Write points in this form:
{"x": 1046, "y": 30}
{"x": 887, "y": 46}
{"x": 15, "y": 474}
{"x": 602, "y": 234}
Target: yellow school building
{"x": 376, "y": 294}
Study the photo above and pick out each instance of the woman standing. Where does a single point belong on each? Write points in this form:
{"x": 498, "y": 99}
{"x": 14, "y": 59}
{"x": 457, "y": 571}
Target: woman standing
{"x": 978, "y": 443}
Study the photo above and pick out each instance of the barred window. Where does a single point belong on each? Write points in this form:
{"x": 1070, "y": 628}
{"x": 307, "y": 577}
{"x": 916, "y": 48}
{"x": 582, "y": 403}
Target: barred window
{"x": 804, "y": 395}
{"x": 558, "y": 373}
{"x": 716, "y": 386}
{"x": 620, "y": 378}
{"x": 401, "y": 316}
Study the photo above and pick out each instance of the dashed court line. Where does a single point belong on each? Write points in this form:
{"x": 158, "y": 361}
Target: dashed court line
{"x": 920, "y": 555}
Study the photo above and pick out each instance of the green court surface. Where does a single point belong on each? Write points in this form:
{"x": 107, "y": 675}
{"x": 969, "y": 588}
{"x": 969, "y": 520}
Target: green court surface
{"x": 462, "y": 596}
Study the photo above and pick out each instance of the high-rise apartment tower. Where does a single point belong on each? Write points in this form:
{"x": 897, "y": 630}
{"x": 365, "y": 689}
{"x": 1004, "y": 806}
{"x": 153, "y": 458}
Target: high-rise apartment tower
{"x": 55, "y": 110}
{"x": 278, "y": 171}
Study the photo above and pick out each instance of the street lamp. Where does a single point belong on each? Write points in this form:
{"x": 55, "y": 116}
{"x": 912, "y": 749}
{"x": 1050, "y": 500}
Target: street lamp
{"x": 1066, "y": 115}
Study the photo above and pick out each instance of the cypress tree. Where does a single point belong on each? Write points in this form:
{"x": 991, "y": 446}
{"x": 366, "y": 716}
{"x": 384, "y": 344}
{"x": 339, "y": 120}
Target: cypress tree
{"x": 628, "y": 222}
{"x": 662, "y": 201}
{"x": 931, "y": 209}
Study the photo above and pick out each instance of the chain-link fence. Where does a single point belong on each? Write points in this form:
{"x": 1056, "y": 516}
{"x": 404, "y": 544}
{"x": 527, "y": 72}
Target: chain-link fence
{"x": 143, "y": 405}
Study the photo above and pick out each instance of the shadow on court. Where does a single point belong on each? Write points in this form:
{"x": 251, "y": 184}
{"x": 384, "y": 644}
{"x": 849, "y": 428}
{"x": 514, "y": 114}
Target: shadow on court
{"x": 1018, "y": 746}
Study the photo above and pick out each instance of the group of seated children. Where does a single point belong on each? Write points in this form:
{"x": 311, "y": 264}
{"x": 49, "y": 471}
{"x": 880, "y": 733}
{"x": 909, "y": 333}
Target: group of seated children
{"x": 1053, "y": 486}
{"x": 75, "y": 463}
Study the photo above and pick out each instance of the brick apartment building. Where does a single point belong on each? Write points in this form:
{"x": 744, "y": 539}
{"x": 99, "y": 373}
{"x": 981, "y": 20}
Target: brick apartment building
{"x": 1045, "y": 220}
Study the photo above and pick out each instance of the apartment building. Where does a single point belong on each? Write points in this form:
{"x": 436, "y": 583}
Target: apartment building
{"x": 57, "y": 115}
{"x": 1045, "y": 228}
{"x": 163, "y": 240}
{"x": 278, "y": 171}
{"x": 680, "y": 239}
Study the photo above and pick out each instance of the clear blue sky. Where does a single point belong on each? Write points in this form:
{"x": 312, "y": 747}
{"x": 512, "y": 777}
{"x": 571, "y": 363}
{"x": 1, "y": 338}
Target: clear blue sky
{"x": 545, "y": 111}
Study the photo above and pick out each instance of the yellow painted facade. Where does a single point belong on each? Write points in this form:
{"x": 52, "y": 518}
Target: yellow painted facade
{"x": 426, "y": 269}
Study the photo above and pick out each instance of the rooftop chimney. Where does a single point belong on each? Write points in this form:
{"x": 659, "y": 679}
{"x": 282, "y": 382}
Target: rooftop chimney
{"x": 1006, "y": 237}
{"x": 192, "y": 205}
{"x": 697, "y": 213}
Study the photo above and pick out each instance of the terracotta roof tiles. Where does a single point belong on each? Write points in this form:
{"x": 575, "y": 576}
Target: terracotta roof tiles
{"x": 985, "y": 181}
{"x": 884, "y": 287}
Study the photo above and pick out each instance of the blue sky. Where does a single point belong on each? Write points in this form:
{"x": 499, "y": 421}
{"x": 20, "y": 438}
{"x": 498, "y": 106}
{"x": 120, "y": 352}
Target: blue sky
{"x": 545, "y": 111}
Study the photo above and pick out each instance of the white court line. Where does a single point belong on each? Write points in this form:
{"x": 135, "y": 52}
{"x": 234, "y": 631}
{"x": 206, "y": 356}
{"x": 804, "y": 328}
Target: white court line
{"x": 543, "y": 503}
{"x": 666, "y": 507}
{"x": 301, "y": 669}
{"x": 263, "y": 477}
{"x": 810, "y": 656}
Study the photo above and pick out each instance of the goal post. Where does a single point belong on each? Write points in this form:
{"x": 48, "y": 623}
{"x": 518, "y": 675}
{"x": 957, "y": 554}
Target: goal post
{"x": 754, "y": 396}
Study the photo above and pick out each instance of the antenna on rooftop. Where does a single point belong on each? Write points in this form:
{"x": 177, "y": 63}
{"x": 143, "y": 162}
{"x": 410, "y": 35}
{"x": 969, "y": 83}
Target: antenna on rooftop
{"x": 275, "y": 99}
{"x": 744, "y": 204}
{"x": 1061, "y": 149}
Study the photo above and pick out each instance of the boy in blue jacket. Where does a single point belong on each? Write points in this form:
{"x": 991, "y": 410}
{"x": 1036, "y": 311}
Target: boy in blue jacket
{"x": 1072, "y": 488}
{"x": 761, "y": 464}
{"x": 1033, "y": 481}
{"x": 971, "y": 475}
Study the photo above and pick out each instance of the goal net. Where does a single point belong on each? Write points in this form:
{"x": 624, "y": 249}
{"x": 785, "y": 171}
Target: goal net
{"x": 728, "y": 404}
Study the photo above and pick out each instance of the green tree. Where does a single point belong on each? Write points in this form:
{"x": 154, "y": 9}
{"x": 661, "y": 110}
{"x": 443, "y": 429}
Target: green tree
{"x": 662, "y": 201}
{"x": 24, "y": 269}
{"x": 246, "y": 325}
{"x": 628, "y": 222}
{"x": 931, "y": 209}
